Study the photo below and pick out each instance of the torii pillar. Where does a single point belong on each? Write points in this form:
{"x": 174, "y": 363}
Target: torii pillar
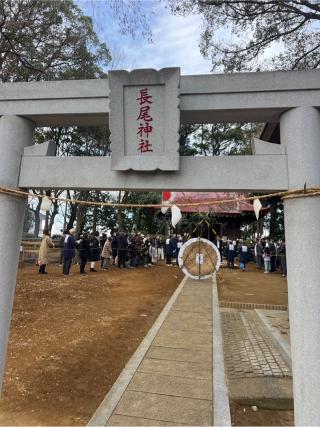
{"x": 300, "y": 133}
{"x": 15, "y": 134}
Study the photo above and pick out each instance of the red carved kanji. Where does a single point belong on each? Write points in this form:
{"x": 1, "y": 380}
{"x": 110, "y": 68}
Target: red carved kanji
{"x": 144, "y": 97}
{"x": 144, "y": 117}
{"x": 144, "y": 128}
{"x": 144, "y": 114}
{"x": 145, "y": 146}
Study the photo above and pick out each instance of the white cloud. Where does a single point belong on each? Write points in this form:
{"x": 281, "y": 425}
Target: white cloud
{"x": 176, "y": 42}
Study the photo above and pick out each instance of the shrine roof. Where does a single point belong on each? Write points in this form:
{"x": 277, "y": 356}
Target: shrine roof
{"x": 235, "y": 208}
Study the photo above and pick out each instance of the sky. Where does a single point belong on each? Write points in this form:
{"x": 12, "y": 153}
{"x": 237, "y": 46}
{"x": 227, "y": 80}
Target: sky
{"x": 175, "y": 39}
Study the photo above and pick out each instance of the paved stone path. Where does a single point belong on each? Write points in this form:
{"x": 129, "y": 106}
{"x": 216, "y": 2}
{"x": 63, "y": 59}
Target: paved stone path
{"x": 173, "y": 385}
{"x": 249, "y": 350}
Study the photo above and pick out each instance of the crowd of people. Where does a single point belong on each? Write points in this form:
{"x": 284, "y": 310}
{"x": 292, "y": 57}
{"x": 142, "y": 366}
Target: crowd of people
{"x": 268, "y": 254}
{"x": 119, "y": 249}
{"x": 136, "y": 250}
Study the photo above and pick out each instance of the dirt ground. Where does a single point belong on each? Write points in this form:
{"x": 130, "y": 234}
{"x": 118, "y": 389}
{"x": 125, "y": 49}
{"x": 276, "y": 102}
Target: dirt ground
{"x": 71, "y": 337}
{"x": 245, "y": 416}
{"x": 252, "y": 286}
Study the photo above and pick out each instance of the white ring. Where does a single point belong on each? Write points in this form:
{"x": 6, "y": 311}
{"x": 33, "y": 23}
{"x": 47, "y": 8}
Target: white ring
{"x": 188, "y": 243}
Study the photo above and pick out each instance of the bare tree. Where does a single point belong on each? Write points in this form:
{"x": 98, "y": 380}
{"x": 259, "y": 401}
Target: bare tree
{"x": 289, "y": 27}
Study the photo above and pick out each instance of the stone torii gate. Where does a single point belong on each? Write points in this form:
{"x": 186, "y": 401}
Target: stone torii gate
{"x": 148, "y": 160}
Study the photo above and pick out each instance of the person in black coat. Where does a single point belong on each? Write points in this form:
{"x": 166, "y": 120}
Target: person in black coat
{"x": 122, "y": 242}
{"x": 283, "y": 260}
{"x": 61, "y": 244}
{"x": 102, "y": 241}
{"x": 114, "y": 247}
{"x": 230, "y": 254}
{"x": 133, "y": 253}
{"x": 84, "y": 251}
{"x": 168, "y": 251}
{"x": 171, "y": 248}
{"x": 258, "y": 251}
{"x": 272, "y": 247}
{"x": 94, "y": 250}
{"x": 68, "y": 251}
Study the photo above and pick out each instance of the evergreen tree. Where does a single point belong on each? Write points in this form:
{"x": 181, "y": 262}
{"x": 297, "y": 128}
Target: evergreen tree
{"x": 48, "y": 40}
{"x": 218, "y": 139}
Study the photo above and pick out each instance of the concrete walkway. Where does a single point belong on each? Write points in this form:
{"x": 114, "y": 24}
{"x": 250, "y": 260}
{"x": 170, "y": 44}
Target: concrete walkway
{"x": 172, "y": 382}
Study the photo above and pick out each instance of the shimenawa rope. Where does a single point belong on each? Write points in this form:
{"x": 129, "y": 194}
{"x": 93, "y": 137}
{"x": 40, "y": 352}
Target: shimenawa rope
{"x": 290, "y": 194}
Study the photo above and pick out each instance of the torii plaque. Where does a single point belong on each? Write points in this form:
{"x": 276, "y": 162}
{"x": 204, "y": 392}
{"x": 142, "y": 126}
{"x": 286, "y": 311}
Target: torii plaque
{"x": 145, "y": 119}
